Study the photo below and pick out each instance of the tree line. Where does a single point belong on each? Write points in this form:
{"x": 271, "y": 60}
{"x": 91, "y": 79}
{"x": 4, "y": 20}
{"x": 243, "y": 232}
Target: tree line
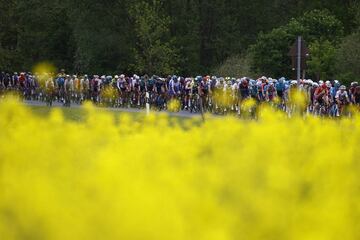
{"x": 186, "y": 37}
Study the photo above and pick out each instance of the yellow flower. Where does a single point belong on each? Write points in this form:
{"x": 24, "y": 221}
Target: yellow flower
{"x": 275, "y": 178}
{"x": 174, "y": 105}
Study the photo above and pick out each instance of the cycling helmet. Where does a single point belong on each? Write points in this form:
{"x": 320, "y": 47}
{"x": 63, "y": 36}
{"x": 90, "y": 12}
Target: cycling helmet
{"x": 328, "y": 84}
{"x": 343, "y": 88}
{"x": 136, "y": 77}
{"x": 198, "y": 79}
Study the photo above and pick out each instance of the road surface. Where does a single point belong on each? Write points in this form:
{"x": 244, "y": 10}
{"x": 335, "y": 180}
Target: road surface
{"x": 184, "y": 114}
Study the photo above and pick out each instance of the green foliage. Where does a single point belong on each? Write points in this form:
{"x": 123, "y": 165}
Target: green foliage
{"x": 192, "y": 37}
{"x": 234, "y": 66}
{"x": 270, "y": 52}
{"x": 8, "y": 36}
{"x": 348, "y": 59}
{"x": 102, "y": 35}
{"x": 43, "y": 33}
{"x": 154, "y": 52}
{"x": 356, "y": 10}
{"x": 322, "y": 61}
{"x": 321, "y": 25}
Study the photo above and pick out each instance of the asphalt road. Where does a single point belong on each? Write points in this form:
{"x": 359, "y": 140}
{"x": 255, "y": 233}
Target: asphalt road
{"x": 184, "y": 114}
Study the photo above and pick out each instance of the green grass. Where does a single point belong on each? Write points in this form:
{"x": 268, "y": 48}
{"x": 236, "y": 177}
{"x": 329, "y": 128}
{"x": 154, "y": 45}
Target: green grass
{"x": 79, "y": 115}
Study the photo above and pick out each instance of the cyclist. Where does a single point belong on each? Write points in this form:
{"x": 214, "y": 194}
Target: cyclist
{"x": 50, "y": 91}
{"x": 67, "y": 91}
{"x": 203, "y": 89}
{"x": 321, "y": 94}
{"x": 342, "y": 100}
{"x": 356, "y": 96}
{"x": 280, "y": 89}
{"x": 174, "y": 87}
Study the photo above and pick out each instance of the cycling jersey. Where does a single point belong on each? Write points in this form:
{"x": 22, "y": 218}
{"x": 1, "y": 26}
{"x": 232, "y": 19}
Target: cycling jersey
{"x": 357, "y": 97}
{"x": 244, "y": 90}
{"x": 174, "y": 87}
{"x": 342, "y": 96}
{"x": 160, "y": 86}
{"x": 121, "y": 84}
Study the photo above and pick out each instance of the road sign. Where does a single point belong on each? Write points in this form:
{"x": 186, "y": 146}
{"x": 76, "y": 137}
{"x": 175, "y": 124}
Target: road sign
{"x": 299, "y": 52}
{"x": 304, "y": 54}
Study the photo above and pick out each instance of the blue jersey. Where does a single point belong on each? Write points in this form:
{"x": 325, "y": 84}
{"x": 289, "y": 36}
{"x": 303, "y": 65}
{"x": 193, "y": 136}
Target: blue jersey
{"x": 280, "y": 86}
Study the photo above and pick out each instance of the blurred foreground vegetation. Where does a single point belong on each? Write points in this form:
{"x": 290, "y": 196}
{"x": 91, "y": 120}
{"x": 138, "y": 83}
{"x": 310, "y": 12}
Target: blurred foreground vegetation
{"x": 275, "y": 178}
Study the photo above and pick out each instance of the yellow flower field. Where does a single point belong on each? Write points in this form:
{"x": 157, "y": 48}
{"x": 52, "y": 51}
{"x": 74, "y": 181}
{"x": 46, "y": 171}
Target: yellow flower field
{"x": 275, "y": 178}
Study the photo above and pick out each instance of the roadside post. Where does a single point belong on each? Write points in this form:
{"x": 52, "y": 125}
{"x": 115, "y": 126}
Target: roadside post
{"x": 299, "y": 54}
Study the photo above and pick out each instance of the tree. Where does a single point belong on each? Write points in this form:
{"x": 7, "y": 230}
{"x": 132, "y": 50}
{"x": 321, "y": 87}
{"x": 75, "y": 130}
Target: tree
{"x": 270, "y": 52}
{"x": 235, "y": 66}
{"x": 43, "y": 33}
{"x": 154, "y": 52}
{"x": 356, "y": 12}
{"x": 184, "y": 28}
{"x": 322, "y": 61}
{"x": 348, "y": 58}
{"x": 8, "y": 36}
{"x": 102, "y": 34}
{"x": 197, "y": 35}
